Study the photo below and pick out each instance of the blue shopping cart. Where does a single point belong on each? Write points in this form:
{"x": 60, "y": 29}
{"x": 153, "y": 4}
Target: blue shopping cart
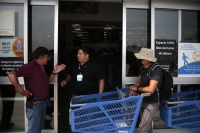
{"x": 182, "y": 111}
{"x": 109, "y": 112}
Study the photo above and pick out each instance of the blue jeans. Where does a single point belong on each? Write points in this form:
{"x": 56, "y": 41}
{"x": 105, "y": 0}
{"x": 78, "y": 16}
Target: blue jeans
{"x": 36, "y": 117}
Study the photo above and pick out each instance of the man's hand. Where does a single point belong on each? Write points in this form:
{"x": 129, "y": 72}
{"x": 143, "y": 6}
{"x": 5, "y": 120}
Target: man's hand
{"x": 25, "y": 93}
{"x": 64, "y": 82}
{"x": 133, "y": 88}
{"x": 59, "y": 68}
{"x": 131, "y": 92}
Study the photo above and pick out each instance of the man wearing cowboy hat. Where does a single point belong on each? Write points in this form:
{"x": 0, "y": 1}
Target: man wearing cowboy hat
{"x": 147, "y": 84}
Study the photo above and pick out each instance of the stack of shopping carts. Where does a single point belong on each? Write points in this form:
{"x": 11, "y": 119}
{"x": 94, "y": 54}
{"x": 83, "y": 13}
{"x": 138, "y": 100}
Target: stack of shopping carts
{"x": 109, "y": 112}
{"x": 182, "y": 111}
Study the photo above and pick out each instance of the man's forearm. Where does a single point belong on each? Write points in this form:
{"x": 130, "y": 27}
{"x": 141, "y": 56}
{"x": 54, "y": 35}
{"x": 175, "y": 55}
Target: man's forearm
{"x": 101, "y": 85}
{"x": 13, "y": 79}
{"x": 51, "y": 77}
{"x": 68, "y": 78}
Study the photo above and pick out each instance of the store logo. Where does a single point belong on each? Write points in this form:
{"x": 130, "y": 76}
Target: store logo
{"x": 187, "y": 47}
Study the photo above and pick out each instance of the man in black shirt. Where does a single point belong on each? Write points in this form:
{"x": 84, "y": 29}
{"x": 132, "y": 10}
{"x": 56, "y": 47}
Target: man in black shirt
{"x": 147, "y": 84}
{"x": 86, "y": 74}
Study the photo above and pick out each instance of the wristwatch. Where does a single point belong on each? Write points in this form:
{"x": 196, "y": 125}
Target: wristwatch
{"x": 54, "y": 73}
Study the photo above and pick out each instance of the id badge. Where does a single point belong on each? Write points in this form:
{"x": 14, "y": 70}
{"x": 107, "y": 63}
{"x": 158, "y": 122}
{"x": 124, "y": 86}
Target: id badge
{"x": 79, "y": 77}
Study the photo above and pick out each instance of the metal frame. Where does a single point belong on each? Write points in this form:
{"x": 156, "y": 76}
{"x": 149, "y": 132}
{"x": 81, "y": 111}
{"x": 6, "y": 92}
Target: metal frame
{"x": 5, "y": 80}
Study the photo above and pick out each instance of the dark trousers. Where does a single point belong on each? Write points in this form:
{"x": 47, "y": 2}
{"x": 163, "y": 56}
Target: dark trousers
{"x": 7, "y": 91}
{"x": 50, "y": 109}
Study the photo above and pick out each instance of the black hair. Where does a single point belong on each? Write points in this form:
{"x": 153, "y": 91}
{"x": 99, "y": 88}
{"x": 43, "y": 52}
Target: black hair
{"x": 40, "y": 51}
{"x": 85, "y": 50}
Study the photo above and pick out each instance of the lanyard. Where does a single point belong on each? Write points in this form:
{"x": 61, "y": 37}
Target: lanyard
{"x": 79, "y": 67}
{"x": 84, "y": 65}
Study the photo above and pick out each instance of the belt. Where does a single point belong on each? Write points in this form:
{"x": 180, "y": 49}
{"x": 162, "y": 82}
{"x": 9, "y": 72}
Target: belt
{"x": 40, "y": 99}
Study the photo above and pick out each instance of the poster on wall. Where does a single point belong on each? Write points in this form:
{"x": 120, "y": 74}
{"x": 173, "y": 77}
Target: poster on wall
{"x": 163, "y": 50}
{"x": 189, "y": 60}
{"x": 7, "y": 23}
{"x": 11, "y": 54}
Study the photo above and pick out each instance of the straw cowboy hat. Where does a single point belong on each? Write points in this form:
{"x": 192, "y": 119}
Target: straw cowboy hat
{"x": 146, "y": 54}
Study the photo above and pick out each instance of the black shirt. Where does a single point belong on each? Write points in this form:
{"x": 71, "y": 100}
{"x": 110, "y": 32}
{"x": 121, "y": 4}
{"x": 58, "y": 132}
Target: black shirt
{"x": 91, "y": 72}
{"x": 155, "y": 74}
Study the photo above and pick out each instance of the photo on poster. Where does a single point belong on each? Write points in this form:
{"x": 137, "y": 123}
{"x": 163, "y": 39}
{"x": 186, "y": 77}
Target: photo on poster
{"x": 189, "y": 60}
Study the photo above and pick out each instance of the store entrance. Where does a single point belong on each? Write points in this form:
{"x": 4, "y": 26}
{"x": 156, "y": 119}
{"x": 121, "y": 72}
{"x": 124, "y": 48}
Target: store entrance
{"x": 90, "y": 24}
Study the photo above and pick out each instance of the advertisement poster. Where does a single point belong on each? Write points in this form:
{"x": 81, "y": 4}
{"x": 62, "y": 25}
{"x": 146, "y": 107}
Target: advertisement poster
{"x": 163, "y": 50}
{"x": 11, "y": 54}
{"x": 188, "y": 60}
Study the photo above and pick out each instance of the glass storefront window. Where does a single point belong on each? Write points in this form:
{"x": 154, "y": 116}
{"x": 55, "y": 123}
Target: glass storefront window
{"x": 166, "y": 39}
{"x": 137, "y": 36}
{"x": 190, "y": 27}
{"x": 12, "y": 56}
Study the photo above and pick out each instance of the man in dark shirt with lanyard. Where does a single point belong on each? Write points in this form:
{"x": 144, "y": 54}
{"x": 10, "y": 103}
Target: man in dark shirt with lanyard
{"x": 86, "y": 74}
{"x": 36, "y": 86}
{"x": 147, "y": 84}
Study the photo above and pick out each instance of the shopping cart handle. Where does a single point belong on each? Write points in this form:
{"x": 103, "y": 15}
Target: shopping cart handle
{"x": 77, "y": 105}
{"x": 145, "y": 94}
{"x": 176, "y": 102}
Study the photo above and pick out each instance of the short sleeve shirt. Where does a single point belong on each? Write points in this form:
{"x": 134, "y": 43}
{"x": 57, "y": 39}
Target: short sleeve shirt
{"x": 35, "y": 79}
{"x": 91, "y": 72}
{"x": 155, "y": 74}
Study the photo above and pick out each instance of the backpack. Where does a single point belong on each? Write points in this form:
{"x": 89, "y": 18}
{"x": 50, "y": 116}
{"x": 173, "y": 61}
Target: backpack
{"x": 166, "y": 86}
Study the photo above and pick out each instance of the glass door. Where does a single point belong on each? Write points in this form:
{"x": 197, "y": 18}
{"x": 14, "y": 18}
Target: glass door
{"x": 136, "y": 34}
{"x": 43, "y": 27}
{"x": 150, "y": 23}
